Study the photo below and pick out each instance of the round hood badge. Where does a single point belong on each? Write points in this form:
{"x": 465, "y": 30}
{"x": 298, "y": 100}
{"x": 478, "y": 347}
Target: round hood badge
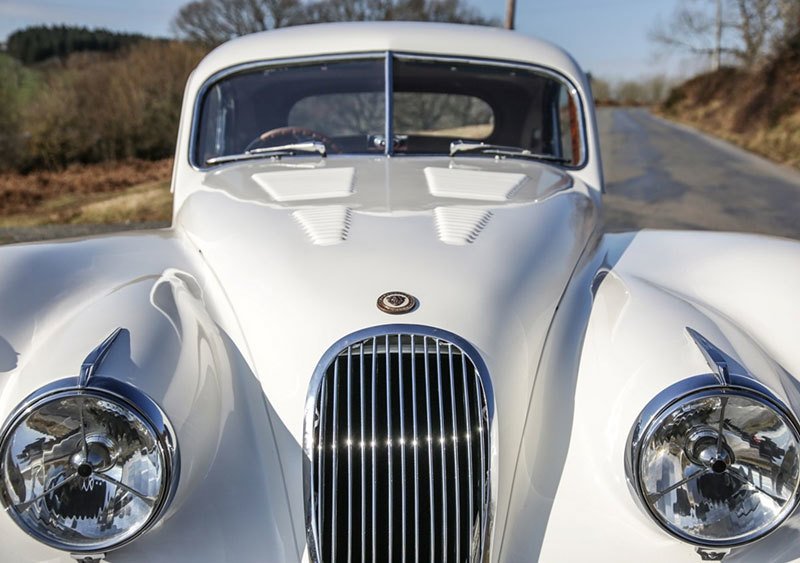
{"x": 396, "y": 303}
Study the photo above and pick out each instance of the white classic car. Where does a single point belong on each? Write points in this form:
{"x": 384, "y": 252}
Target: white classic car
{"x": 386, "y": 325}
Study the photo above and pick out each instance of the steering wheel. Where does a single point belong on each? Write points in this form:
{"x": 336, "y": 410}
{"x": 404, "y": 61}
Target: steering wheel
{"x": 291, "y": 134}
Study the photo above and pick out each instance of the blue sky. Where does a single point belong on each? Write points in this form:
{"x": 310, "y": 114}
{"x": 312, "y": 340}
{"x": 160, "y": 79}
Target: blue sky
{"x": 608, "y": 37}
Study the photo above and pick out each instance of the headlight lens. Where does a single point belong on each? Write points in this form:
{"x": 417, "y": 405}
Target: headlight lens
{"x": 719, "y": 467}
{"x": 83, "y": 470}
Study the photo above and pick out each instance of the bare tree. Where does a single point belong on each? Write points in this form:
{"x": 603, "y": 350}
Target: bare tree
{"x": 789, "y": 14}
{"x": 743, "y": 31}
{"x": 755, "y": 23}
{"x": 215, "y": 21}
{"x": 691, "y": 29}
{"x": 404, "y": 10}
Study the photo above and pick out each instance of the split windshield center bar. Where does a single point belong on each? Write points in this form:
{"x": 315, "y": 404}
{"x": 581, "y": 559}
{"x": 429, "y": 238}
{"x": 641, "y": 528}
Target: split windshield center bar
{"x": 388, "y": 93}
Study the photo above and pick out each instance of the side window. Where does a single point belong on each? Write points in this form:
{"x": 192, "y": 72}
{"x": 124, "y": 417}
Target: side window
{"x": 568, "y": 127}
{"x": 212, "y": 131}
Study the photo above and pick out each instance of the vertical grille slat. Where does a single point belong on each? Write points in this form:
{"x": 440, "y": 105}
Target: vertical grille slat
{"x": 362, "y": 449}
{"x": 401, "y": 394}
{"x": 389, "y": 455}
{"x": 334, "y": 447}
{"x": 373, "y": 447}
{"x": 410, "y": 411}
{"x": 349, "y": 444}
{"x": 456, "y": 467}
{"x": 482, "y": 433}
{"x": 321, "y": 462}
{"x": 415, "y": 444}
{"x": 468, "y": 437}
{"x": 430, "y": 437}
{"x": 443, "y": 448}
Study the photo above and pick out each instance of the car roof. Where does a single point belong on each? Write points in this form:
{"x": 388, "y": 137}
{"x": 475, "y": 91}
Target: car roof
{"x": 455, "y": 40}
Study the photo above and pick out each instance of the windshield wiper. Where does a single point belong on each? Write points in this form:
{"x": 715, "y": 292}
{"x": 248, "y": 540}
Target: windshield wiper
{"x": 457, "y": 147}
{"x": 309, "y": 147}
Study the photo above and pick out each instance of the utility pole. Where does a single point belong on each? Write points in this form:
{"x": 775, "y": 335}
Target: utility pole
{"x": 511, "y": 8}
{"x": 717, "y": 62}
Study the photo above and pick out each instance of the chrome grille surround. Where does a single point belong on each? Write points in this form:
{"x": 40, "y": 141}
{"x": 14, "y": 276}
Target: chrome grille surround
{"x": 404, "y": 470}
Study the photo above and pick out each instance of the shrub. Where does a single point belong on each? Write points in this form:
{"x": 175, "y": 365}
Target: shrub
{"x": 110, "y": 107}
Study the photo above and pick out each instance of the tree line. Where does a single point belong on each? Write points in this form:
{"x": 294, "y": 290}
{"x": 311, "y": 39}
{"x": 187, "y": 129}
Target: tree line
{"x": 39, "y": 43}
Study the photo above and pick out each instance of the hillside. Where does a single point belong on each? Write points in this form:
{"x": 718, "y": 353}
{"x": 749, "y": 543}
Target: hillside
{"x": 758, "y": 110}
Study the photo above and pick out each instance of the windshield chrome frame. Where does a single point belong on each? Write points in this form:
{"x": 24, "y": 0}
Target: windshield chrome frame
{"x": 389, "y": 57}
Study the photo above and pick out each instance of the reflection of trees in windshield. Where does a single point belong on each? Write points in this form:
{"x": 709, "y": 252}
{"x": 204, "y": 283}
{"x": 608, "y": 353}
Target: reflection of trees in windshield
{"x": 341, "y": 114}
{"x": 430, "y": 114}
{"x": 415, "y": 113}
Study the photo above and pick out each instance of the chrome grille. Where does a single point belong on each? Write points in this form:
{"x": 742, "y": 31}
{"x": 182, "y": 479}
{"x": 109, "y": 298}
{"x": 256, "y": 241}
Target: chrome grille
{"x": 397, "y": 451}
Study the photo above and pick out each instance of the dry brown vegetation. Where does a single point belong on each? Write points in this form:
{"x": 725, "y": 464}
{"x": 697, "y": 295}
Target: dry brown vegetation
{"x": 757, "y": 109}
{"x": 103, "y": 107}
{"x": 112, "y": 192}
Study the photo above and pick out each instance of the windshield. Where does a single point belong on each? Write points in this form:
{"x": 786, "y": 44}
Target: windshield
{"x": 434, "y": 103}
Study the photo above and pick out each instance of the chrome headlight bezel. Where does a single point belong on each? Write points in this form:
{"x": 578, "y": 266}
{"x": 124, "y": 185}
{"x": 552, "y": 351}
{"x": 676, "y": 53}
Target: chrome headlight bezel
{"x": 668, "y": 401}
{"x": 126, "y": 396}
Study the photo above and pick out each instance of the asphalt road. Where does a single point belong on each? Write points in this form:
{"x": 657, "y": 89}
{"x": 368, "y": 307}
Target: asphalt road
{"x": 666, "y": 176}
{"x": 658, "y": 175}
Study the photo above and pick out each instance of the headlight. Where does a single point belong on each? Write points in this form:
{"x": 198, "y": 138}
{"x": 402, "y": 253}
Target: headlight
{"x": 717, "y": 466}
{"x": 86, "y": 470}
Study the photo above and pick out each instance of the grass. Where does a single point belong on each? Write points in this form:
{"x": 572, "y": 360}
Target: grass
{"x": 146, "y": 202}
{"x": 101, "y": 194}
{"x": 779, "y": 142}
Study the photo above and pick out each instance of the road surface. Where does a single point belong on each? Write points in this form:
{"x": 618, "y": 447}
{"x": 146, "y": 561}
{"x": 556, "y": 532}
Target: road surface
{"x": 666, "y": 176}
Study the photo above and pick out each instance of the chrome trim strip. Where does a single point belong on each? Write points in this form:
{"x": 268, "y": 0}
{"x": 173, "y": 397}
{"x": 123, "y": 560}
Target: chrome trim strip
{"x": 713, "y": 356}
{"x": 484, "y": 396}
{"x": 581, "y": 105}
{"x": 96, "y": 357}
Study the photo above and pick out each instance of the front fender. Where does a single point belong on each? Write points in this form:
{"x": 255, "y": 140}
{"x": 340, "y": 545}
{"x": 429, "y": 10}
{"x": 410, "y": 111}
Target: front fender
{"x": 739, "y": 292}
{"x": 59, "y": 301}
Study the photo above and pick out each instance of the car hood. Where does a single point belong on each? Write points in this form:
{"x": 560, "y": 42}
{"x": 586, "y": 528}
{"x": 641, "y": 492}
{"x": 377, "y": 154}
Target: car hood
{"x": 303, "y": 253}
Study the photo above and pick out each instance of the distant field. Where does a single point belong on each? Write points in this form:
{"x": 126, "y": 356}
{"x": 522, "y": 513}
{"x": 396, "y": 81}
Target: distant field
{"x": 119, "y": 194}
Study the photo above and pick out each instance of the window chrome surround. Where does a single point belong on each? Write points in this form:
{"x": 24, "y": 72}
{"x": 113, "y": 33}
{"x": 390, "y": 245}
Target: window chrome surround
{"x": 394, "y": 330}
{"x": 727, "y": 377}
{"x": 116, "y": 391}
{"x": 389, "y": 56}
